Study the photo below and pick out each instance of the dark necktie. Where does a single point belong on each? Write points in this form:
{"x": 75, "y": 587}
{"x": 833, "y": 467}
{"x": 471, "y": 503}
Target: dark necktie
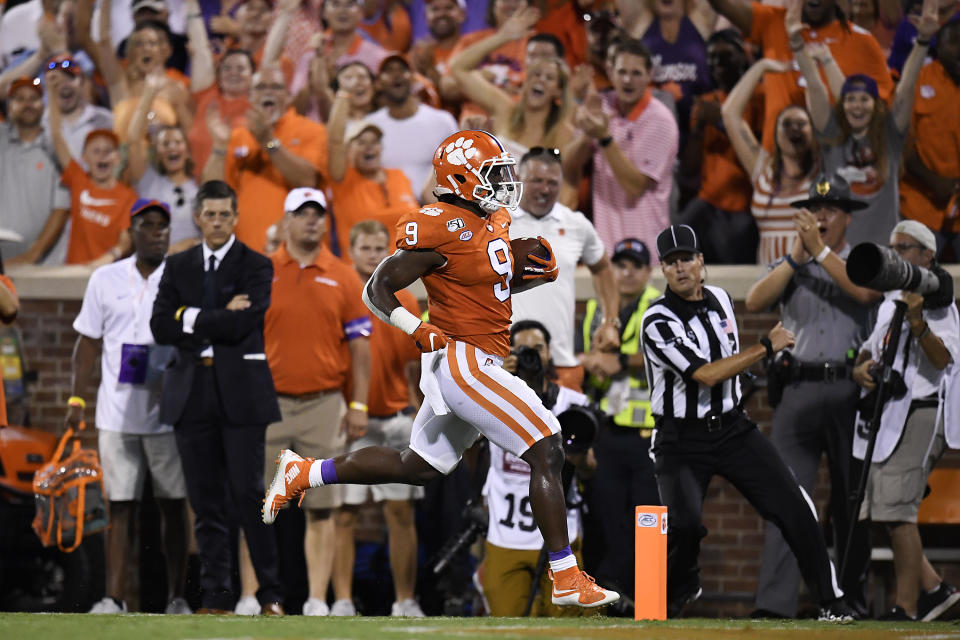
{"x": 210, "y": 284}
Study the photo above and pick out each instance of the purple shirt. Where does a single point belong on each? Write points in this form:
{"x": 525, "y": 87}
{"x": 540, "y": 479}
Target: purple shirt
{"x": 683, "y": 62}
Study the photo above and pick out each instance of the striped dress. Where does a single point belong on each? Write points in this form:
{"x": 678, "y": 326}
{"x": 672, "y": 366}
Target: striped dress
{"x": 773, "y": 214}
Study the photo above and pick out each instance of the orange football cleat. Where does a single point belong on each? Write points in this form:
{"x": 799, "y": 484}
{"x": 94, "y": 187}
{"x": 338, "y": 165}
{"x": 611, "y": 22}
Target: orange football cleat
{"x": 573, "y": 586}
{"x": 290, "y": 481}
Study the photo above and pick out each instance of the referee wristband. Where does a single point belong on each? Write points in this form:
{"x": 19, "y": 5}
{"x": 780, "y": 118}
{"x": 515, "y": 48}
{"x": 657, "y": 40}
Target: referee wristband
{"x": 359, "y": 406}
{"x": 823, "y": 254}
{"x": 76, "y": 401}
{"x": 765, "y": 341}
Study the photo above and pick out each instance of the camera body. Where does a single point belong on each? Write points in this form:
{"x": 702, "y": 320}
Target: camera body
{"x": 529, "y": 364}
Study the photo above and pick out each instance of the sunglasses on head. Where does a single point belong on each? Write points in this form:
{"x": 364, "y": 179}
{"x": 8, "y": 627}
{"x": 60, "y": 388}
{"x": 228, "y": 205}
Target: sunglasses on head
{"x": 535, "y": 152}
{"x": 178, "y": 191}
{"x": 64, "y": 65}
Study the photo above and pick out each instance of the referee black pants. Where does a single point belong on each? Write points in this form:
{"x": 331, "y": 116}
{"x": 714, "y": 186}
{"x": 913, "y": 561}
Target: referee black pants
{"x": 686, "y": 460}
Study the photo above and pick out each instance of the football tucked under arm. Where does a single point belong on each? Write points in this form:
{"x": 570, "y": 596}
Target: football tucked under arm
{"x": 533, "y": 260}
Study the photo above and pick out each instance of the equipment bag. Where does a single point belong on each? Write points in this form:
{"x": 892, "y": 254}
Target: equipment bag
{"x": 69, "y": 494}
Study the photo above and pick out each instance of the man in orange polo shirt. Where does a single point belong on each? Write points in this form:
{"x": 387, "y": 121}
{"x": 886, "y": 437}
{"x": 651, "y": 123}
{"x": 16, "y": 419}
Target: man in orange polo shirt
{"x": 929, "y": 187}
{"x": 394, "y": 374}
{"x": 317, "y": 343}
{"x": 278, "y": 150}
{"x": 855, "y": 50}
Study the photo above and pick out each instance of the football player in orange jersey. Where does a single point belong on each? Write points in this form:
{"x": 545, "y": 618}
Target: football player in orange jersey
{"x": 460, "y": 248}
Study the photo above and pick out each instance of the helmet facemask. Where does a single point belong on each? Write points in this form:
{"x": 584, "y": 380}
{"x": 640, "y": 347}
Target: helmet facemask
{"x": 499, "y": 185}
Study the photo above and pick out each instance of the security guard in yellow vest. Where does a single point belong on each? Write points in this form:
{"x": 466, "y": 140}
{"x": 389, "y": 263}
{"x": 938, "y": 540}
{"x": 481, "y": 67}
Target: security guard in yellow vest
{"x": 624, "y": 477}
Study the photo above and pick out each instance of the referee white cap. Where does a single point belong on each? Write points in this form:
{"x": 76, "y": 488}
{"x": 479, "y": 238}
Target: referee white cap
{"x": 918, "y": 231}
{"x": 677, "y": 237}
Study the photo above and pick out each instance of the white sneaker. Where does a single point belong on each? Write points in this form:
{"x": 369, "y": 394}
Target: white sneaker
{"x": 343, "y": 608}
{"x": 108, "y": 605}
{"x": 247, "y": 606}
{"x": 316, "y": 607}
{"x": 407, "y": 608}
{"x": 178, "y": 607}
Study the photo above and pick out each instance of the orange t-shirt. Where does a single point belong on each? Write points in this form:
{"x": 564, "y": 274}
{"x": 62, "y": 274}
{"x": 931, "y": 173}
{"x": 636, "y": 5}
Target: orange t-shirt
{"x": 261, "y": 188}
{"x": 563, "y": 21}
{"x": 395, "y": 37}
{"x": 723, "y": 181}
{"x": 936, "y": 130}
{"x": 469, "y": 296}
{"x": 97, "y": 215}
{"x": 314, "y": 311}
{"x": 390, "y": 351}
{"x": 356, "y": 199}
{"x": 854, "y": 49}
{"x": 232, "y": 110}
{"x": 3, "y": 396}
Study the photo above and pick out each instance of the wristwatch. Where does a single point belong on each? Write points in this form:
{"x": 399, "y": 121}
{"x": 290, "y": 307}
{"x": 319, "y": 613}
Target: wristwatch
{"x": 272, "y": 145}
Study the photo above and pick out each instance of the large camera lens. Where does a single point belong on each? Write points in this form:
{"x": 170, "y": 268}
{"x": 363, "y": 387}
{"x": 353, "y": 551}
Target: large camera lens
{"x": 881, "y": 268}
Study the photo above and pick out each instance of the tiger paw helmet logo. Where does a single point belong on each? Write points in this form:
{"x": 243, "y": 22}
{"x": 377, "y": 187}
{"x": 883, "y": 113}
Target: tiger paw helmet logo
{"x": 459, "y": 152}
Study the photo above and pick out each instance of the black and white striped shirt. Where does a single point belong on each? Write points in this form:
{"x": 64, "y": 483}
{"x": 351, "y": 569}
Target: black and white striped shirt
{"x": 679, "y": 337}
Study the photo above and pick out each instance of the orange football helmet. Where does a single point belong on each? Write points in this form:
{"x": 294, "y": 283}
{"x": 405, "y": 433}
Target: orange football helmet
{"x": 476, "y": 167}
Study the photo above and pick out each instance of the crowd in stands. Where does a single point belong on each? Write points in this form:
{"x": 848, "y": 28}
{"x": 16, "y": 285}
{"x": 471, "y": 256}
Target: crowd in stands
{"x": 750, "y": 103}
{"x": 712, "y": 113}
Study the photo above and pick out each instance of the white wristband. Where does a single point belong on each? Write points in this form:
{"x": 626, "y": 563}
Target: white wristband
{"x": 823, "y": 254}
{"x": 404, "y": 320}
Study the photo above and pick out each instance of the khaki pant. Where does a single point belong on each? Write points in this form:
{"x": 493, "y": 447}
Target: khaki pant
{"x": 507, "y": 575}
{"x": 311, "y": 427}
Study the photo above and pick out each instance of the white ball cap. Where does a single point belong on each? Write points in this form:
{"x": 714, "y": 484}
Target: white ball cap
{"x": 918, "y": 231}
{"x": 304, "y": 195}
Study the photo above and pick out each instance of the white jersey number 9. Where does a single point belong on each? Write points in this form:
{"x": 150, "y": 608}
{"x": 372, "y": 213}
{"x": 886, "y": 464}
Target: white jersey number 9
{"x": 499, "y": 253}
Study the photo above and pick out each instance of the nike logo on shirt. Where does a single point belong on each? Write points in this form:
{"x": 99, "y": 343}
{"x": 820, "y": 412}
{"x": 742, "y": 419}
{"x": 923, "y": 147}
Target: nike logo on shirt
{"x": 89, "y": 201}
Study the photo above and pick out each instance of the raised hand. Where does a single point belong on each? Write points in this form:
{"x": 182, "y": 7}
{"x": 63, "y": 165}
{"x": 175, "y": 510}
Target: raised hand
{"x": 217, "y": 126}
{"x": 808, "y": 228}
{"x": 793, "y": 21}
{"x": 928, "y": 22}
{"x": 591, "y": 119}
{"x": 520, "y": 24}
{"x": 819, "y": 52}
{"x": 258, "y": 125}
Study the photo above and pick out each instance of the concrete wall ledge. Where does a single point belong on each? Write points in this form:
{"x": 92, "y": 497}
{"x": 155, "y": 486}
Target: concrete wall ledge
{"x": 69, "y": 282}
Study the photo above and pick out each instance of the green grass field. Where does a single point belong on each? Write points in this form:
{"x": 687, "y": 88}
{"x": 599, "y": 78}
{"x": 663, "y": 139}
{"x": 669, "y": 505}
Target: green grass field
{"x": 23, "y": 626}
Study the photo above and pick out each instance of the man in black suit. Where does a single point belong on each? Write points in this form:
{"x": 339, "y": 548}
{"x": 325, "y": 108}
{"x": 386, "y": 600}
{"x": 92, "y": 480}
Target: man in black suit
{"x": 218, "y": 392}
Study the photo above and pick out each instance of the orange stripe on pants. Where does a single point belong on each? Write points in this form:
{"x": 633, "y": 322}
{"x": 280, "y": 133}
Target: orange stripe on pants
{"x": 505, "y": 393}
{"x": 477, "y": 397}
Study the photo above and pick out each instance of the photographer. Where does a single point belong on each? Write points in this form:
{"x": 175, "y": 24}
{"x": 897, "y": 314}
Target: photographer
{"x": 910, "y": 439}
{"x": 513, "y": 541}
{"x": 810, "y": 386}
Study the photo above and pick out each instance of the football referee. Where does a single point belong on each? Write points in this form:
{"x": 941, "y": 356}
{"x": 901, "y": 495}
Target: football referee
{"x": 693, "y": 358}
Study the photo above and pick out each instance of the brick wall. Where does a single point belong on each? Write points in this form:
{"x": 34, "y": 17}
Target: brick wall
{"x": 730, "y": 559}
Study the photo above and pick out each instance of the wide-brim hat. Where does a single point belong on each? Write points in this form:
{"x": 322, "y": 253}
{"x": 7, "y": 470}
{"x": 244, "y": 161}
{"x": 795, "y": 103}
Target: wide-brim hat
{"x": 831, "y": 190}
